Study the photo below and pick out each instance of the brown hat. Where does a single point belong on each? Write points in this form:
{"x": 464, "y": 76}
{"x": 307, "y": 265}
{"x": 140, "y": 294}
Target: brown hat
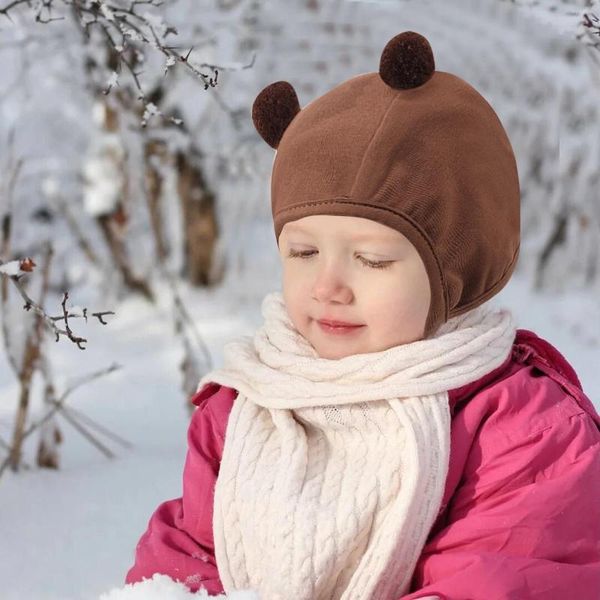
{"x": 413, "y": 148}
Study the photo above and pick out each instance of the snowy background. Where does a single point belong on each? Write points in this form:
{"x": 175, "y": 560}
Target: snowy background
{"x": 70, "y": 533}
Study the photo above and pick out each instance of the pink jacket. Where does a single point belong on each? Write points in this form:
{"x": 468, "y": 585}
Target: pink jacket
{"x": 520, "y": 517}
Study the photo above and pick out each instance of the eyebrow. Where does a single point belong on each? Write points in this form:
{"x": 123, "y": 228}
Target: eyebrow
{"x": 361, "y": 236}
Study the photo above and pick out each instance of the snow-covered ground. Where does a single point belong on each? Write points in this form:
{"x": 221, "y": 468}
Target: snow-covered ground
{"x": 71, "y": 534}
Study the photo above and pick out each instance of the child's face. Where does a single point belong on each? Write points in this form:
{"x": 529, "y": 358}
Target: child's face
{"x": 335, "y": 281}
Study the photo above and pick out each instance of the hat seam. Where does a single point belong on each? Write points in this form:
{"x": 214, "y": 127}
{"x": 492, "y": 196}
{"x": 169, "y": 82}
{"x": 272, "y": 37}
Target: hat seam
{"x": 347, "y": 200}
{"x": 371, "y": 141}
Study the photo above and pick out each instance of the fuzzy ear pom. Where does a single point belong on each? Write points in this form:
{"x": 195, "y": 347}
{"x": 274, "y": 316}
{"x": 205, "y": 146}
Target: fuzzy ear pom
{"x": 273, "y": 110}
{"x": 406, "y": 61}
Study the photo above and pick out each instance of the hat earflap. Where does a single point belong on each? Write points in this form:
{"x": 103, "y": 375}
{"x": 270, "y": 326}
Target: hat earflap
{"x": 406, "y": 61}
{"x": 273, "y": 111}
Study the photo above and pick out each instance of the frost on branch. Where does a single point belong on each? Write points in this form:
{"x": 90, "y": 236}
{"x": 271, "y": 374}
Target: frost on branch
{"x": 151, "y": 109}
{"x": 108, "y": 14}
{"x": 15, "y": 270}
{"x": 12, "y": 268}
{"x": 113, "y": 80}
{"x": 16, "y": 267}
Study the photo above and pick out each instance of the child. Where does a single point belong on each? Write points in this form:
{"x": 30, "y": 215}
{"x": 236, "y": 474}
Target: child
{"x": 426, "y": 449}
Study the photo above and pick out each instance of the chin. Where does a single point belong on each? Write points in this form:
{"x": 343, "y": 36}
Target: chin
{"x": 332, "y": 353}
{"x": 332, "y": 356}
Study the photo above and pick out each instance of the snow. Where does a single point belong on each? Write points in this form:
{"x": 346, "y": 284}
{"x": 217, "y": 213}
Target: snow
{"x": 71, "y": 534}
{"x": 107, "y": 12}
{"x": 161, "y": 587}
{"x": 103, "y": 173}
{"x": 50, "y": 187}
{"x": 131, "y": 33}
{"x": 113, "y": 79}
{"x": 11, "y": 268}
{"x": 150, "y": 110}
{"x": 564, "y": 19}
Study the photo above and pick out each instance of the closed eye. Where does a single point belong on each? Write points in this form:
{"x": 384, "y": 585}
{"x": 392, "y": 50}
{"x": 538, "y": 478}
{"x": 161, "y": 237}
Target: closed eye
{"x": 383, "y": 264}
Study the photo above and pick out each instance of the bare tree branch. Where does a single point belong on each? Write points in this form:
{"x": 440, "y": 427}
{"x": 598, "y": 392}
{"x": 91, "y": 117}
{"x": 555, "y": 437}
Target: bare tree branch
{"x": 85, "y": 433}
{"x": 59, "y": 403}
{"x": 27, "y": 265}
{"x": 30, "y": 362}
{"x": 133, "y": 30}
{"x": 95, "y": 425}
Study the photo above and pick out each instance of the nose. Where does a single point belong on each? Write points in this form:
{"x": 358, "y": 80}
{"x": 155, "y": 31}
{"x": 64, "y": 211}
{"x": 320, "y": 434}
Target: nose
{"x": 330, "y": 286}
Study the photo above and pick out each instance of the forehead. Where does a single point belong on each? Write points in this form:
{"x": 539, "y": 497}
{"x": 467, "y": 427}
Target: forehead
{"x": 332, "y": 226}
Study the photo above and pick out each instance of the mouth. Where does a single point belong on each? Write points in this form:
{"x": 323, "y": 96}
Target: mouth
{"x": 338, "y": 327}
{"x": 333, "y": 323}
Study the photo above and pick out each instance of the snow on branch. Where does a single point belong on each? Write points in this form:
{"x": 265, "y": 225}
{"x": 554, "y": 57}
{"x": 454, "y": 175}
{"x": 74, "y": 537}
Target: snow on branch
{"x": 16, "y": 269}
{"x": 126, "y": 28}
{"x": 591, "y": 22}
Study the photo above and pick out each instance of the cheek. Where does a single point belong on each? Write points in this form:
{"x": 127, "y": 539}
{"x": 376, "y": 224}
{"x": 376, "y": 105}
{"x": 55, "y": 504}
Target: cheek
{"x": 291, "y": 280}
{"x": 398, "y": 303}
{"x": 296, "y": 279}
{"x": 293, "y": 296}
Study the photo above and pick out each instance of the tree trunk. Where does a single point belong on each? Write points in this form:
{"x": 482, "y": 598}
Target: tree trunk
{"x": 155, "y": 150}
{"x": 31, "y": 357}
{"x": 199, "y": 221}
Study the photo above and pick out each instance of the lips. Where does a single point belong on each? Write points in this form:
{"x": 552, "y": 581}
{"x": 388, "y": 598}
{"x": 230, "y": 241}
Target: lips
{"x": 333, "y": 328}
{"x": 338, "y": 323}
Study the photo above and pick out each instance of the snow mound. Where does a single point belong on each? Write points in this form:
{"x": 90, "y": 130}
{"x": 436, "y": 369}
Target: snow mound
{"x": 162, "y": 587}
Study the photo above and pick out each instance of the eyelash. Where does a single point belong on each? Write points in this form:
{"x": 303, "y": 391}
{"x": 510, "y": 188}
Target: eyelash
{"x": 364, "y": 261}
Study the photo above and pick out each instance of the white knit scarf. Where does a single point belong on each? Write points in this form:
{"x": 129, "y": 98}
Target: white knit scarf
{"x": 333, "y": 471}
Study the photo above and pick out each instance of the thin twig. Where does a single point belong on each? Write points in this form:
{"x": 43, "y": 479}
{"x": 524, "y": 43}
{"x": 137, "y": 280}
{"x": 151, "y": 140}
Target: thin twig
{"x": 86, "y": 434}
{"x": 5, "y": 244}
{"x": 135, "y": 30}
{"x": 51, "y": 321}
{"x": 95, "y": 425}
{"x": 57, "y": 404}
{"x": 185, "y": 315}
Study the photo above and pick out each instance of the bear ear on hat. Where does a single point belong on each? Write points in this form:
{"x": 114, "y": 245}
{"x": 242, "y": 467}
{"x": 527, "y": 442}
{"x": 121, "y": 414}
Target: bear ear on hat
{"x": 406, "y": 61}
{"x": 273, "y": 110}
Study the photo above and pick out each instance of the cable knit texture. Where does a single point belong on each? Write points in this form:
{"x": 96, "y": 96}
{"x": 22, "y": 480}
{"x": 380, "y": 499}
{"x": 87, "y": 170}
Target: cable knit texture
{"x": 333, "y": 471}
